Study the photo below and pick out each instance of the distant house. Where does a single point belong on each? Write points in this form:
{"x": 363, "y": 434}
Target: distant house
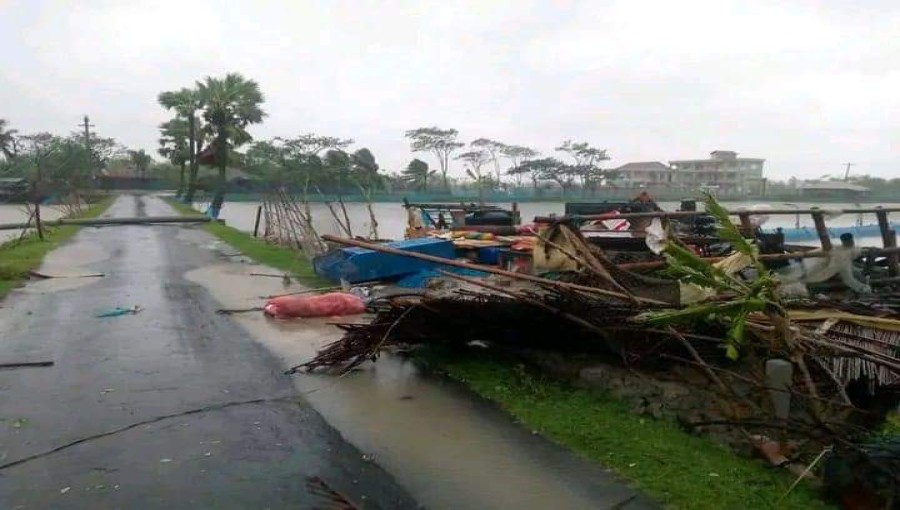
{"x": 643, "y": 174}
{"x": 833, "y": 190}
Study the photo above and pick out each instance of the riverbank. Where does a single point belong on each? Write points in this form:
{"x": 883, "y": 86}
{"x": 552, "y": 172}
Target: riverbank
{"x": 18, "y": 257}
{"x": 291, "y": 261}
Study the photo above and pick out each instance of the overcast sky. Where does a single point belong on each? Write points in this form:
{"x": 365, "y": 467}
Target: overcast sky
{"x": 806, "y": 85}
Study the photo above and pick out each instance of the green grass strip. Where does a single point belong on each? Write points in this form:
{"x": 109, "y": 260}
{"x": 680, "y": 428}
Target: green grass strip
{"x": 18, "y": 257}
{"x": 285, "y": 259}
{"x": 673, "y": 467}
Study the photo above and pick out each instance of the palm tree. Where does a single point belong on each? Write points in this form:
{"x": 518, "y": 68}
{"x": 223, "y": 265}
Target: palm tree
{"x": 230, "y": 104}
{"x": 141, "y": 161}
{"x": 173, "y": 145}
{"x": 185, "y": 103}
{"x": 7, "y": 140}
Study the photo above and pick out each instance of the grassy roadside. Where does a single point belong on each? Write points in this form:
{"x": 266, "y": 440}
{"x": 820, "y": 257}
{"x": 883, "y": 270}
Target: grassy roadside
{"x": 285, "y": 259}
{"x": 673, "y": 467}
{"x": 17, "y": 257}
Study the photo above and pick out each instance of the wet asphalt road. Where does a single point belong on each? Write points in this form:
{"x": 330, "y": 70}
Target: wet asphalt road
{"x": 173, "y": 356}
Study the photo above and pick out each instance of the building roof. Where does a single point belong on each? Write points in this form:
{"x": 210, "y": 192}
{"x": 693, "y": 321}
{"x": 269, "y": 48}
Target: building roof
{"x": 750, "y": 160}
{"x": 644, "y": 166}
{"x": 833, "y": 186}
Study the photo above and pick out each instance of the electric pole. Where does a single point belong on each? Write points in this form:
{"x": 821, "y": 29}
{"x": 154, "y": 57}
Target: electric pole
{"x": 847, "y": 171}
{"x": 87, "y": 132}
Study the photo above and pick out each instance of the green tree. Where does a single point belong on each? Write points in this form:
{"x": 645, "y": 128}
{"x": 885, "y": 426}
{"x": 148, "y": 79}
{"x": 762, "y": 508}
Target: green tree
{"x": 475, "y": 161}
{"x": 141, "y": 161}
{"x": 312, "y": 144}
{"x": 493, "y": 149}
{"x": 230, "y": 105}
{"x": 516, "y": 154}
{"x": 440, "y": 142}
{"x": 586, "y": 162}
{"x": 186, "y": 103}
{"x": 364, "y": 172}
{"x": 417, "y": 173}
{"x": 174, "y": 146}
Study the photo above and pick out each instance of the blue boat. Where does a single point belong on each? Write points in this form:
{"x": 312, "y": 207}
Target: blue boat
{"x": 357, "y": 265}
{"x": 804, "y": 234}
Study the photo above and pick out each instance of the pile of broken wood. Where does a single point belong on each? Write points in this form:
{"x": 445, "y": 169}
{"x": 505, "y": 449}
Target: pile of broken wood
{"x": 842, "y": 356}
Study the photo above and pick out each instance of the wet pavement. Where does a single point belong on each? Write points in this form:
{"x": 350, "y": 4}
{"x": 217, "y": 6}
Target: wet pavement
{"x": 173, "y": 356}
{"x": 367, "y": 434}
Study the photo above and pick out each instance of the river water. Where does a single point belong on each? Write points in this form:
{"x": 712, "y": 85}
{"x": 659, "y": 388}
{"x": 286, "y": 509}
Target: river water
{"x": 17, "y": 213}
{"x": 391, "y": 217}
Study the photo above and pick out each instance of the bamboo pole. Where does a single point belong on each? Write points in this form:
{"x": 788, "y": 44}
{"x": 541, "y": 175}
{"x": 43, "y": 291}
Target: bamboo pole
{"x": 689, "y": 214}
{"x": 892, "y": 251}
{"x": 142, "y": 220}
{"x": 486, "y": 269}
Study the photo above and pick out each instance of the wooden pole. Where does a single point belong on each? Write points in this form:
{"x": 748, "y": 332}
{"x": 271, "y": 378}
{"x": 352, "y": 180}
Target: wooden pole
{"x": 256, "y": 223}
{"x": 888, "y": 239}
{"x": 142, "y": 220}
{"x": 746, "y": 226}
{"x": 486, "y": 269}
{"x": 869, "y": 253}
{"x": 690, "y": 214}
{"x": 821, "y": 229}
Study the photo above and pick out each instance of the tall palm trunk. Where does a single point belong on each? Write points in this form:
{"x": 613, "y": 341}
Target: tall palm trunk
{"x": 183, "y": 163}
{"x": 193, "y": 149}
{"x": 222, "y": 162}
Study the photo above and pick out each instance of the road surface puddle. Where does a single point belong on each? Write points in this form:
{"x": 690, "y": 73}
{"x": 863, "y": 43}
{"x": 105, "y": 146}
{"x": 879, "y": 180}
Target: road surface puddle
{"x": 436, "y": 440}
{"x": 68, "y": 263}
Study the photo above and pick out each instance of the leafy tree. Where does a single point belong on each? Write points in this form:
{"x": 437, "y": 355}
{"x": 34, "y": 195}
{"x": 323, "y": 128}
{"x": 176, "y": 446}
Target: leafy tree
{"x": 186, "y": 103}
{"x": 417, "y": 174}
{"x": 141, "y": 161}
{"x": 174, "y": 146}
{"x": 8, "y": 141}
{"x": 313, "y": 144}
{"x": 230, "y": 105}
{"x": 552, "y": 169}
{"x": 474, "y": 161}
{"x": 440, "y": 142}
{"x": 586, "y": 160}
{"x": 364, "y": 173}
{"x": 50, "y": 163}
{"x": 516, "y": 154}
{"x": 494, "y": 151}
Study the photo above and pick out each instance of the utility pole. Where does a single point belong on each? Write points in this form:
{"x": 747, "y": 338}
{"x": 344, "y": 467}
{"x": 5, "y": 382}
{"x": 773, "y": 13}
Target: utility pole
{"x": 87, "y": 132}
{"x": 847, "y": 171}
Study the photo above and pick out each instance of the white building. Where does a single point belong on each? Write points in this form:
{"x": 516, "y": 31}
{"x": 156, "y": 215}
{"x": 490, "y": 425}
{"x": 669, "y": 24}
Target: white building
{"x": 723, "y": 172}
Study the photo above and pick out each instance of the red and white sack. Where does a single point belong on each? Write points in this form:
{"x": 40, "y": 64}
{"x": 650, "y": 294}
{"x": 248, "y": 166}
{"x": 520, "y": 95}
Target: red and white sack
{"x": 324, "y": 305}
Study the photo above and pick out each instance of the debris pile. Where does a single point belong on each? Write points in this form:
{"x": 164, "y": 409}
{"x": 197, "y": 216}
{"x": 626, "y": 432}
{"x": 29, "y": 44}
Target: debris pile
{"x": 816, "y": 373}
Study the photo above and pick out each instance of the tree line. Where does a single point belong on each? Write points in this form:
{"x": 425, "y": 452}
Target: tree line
{"x": 483, "y": 161}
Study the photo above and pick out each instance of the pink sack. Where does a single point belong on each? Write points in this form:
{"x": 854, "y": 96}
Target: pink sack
{"x": 324, "y": 305}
